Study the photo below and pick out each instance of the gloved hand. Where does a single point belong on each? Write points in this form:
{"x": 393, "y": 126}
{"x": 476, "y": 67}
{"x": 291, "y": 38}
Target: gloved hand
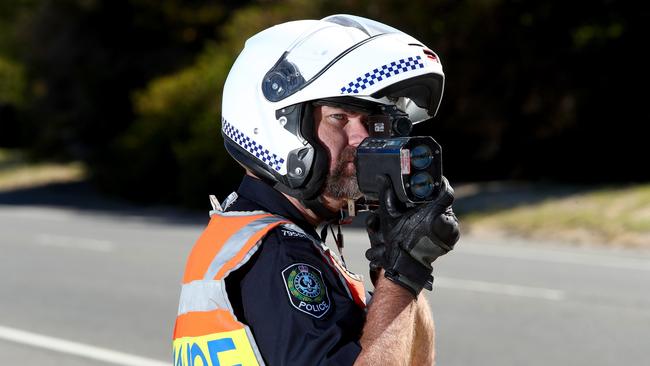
{"x": 406, "y": 241}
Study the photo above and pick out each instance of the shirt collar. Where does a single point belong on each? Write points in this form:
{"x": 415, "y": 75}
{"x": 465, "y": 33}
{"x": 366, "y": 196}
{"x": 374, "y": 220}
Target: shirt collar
{"x": 273, "y": 201}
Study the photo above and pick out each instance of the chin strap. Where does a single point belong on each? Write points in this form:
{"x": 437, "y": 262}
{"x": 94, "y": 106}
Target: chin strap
{"x": 331, "y": 218}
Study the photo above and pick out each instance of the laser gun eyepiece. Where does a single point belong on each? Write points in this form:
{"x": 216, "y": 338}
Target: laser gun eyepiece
{"x": 391, "y": 122}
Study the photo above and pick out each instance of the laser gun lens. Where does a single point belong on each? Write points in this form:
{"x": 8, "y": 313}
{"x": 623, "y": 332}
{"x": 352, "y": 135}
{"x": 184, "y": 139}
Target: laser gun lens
{"x": 422, "y": 185}
{"x": 421, "y": 157}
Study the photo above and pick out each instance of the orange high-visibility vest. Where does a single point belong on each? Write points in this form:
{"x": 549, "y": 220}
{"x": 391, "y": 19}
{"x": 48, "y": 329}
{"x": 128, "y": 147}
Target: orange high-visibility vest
{"x": 206, "y": 328}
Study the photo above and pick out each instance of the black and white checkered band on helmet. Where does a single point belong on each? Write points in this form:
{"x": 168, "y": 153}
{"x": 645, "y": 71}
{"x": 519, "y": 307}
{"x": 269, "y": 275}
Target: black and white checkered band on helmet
{"x": 381, "y": 73}
{"x": 250, "y": 145}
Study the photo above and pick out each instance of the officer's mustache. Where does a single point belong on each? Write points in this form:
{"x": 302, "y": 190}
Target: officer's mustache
{"x": 340, "y": 183}
{"x": 349, "y": 154}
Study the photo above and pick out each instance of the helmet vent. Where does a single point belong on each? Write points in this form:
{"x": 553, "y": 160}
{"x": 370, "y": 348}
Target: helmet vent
{"x": 281, "y": 81}
{"x": 431, "y": 55}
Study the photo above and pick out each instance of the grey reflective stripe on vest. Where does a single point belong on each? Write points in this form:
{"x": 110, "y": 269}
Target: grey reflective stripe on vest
{"x": 203, "y": 296}
{"x": 209, "y": 294}
{"x": 238, "y": 213}
{"x": 236, "y": 242}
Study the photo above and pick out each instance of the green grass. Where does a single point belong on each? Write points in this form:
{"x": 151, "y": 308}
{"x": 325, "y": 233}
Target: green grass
{"x": 619, "y": 215}
{"x": 16, "y": 172}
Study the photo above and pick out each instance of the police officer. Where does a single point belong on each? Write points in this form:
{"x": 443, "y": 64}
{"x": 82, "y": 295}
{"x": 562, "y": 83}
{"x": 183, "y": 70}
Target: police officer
{"x": 260, "y": 287}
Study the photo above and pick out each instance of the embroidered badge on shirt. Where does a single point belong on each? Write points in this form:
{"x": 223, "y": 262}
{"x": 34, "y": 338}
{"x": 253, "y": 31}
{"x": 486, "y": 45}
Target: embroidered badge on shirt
{"x": 306, "y": 289}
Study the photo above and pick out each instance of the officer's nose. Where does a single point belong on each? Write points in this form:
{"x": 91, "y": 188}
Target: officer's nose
{"x": 357, "y": 131}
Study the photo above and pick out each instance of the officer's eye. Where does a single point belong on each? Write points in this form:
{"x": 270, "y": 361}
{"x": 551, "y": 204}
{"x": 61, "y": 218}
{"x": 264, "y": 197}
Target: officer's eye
{"x": 339, "y": 116}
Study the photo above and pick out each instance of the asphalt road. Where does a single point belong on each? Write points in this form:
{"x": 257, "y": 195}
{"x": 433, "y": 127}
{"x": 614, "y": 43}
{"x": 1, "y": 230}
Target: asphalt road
{"x": 90, "y": 287}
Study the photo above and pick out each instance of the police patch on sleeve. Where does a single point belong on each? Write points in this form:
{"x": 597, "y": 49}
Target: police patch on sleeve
{"x": 306, "y": 289}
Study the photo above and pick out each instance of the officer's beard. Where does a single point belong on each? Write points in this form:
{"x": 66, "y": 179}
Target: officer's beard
{"x": 342, "y": 181}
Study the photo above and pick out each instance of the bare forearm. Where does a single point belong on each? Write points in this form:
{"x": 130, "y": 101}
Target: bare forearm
{"x": 423, "y": 351}
{"x": 390, "y": 326}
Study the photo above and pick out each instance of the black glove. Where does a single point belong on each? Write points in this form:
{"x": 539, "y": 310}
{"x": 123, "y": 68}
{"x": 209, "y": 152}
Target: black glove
{"x": 406, "y": 241}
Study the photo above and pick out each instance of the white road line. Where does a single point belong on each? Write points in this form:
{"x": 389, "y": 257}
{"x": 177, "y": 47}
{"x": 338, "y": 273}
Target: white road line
{"x": 35, "y": 213}
{"x": 557, "y": 256}
{"x": 63, "y": 241}
{"x": 77, "y": 349}
{"x": 599, "y": 258}
{"x": 499, "y": 288}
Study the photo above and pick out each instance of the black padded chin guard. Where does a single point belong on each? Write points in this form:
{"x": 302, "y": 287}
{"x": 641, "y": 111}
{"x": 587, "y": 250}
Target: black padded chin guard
{"x": 410, "y": 274}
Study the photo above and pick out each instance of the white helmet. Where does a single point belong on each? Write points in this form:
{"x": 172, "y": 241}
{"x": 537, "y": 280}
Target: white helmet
{"x": 267, "y": 120}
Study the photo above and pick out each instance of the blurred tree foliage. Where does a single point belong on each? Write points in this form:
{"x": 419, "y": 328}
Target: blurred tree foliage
{"x": 85, "y": 57}
{"x": 535, "y": 90}
{"x": 175, "y": 139}
{"x": 13, "y": 82}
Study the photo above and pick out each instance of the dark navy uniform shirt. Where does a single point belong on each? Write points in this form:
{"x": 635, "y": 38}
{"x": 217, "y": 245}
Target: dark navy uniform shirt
{"x": 294, "y": 303}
